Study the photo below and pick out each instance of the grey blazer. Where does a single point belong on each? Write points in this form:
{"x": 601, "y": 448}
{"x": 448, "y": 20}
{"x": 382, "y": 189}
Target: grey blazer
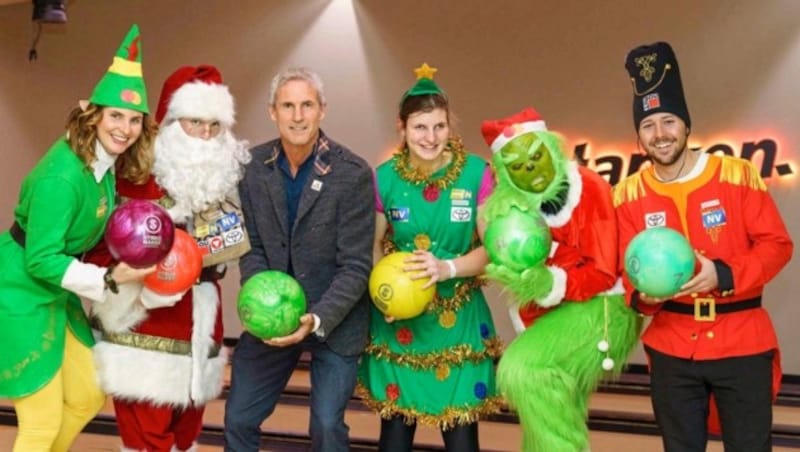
{"x": 331, "y": 244}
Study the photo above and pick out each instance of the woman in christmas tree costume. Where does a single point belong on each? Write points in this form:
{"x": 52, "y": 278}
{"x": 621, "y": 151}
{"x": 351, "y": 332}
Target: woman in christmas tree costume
{"x": 574, "y": 325}
{"x": 437, "y": 368}
{"x": 46, "y": 366}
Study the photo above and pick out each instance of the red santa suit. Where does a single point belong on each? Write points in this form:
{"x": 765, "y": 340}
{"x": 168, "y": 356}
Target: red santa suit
{"x": 161, "y": 357}
{"x": 583, "y": 257}
{"x": 158, "y": 355}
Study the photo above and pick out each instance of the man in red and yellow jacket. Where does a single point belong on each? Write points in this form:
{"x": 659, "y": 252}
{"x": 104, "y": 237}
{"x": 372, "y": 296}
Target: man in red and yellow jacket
{"x": 713, "y": 338}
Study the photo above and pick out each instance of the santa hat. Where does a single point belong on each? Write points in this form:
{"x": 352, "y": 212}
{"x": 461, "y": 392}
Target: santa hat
{"x": 122, "y": 86}
{"x": 498, "y": 132}
{"x": 656, "y": 81}
{"x": 196, "y": 92}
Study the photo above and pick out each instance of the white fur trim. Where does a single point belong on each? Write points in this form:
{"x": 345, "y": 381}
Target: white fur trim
{"x": 558, "y": 290}
{"x": 86, "y": 280}
{"x": 180, "y": 214}
{"x": 573, "y": 198}
{"x": 205, "y": 299}
{"x": 519, "y": 129}
{"x": 192, "y": 448}
{"x": 152, "y": 300}
{"x": 618, "y": 289}
{"x": 134, "y": 374}
{"x": 162, "y": 378}
{"x": 121, "y": 312}
{"x": 204, "y": 101}
{"x": 553, "y": 248}
{"x": 516, "y": 319}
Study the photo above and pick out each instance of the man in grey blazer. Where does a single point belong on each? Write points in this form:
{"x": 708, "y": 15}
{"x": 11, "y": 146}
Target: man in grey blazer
{"x": 309, "y": 210}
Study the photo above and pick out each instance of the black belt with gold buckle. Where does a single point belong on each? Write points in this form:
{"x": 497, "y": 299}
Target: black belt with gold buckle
{"x": 706, "y": 309}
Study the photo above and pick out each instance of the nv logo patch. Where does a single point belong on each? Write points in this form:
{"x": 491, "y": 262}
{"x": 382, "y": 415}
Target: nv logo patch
{"x": 714, "y": 218}
{"x": 399, "y": 214}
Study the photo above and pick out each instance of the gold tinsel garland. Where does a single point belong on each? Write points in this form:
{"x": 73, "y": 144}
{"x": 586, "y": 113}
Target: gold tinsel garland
{"x": 408, "y": 173}
{"x": 453, "y": 356}
{"x": 449, "y": 418}
{"x": 462, "y": 289}
{"x": 461, "y": 295}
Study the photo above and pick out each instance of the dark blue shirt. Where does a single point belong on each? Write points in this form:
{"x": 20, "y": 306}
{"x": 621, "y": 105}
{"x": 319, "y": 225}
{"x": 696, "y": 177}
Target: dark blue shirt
{"x": 293, "y": 187}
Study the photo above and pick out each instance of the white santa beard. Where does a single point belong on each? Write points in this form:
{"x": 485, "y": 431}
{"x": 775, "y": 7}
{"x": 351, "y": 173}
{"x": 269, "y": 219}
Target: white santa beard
{"x": 196, "y": 172}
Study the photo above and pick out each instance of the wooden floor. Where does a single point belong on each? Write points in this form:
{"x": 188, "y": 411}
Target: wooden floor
{"x": 364, "y": 425}
{"x": 291, "y": 419}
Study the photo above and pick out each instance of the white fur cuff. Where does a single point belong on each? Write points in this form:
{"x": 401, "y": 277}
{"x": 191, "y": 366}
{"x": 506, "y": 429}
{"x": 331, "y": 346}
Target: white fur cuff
{"x": 152, "y": 300}
{"x": 558, "y": 290}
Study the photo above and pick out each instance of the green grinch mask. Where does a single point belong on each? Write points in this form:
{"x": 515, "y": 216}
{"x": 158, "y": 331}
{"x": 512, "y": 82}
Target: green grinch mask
{"x": 529, "y": 163}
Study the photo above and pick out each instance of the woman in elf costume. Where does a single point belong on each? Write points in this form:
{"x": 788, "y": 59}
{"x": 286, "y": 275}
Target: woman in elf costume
{"x": 46, "y": 366}
{"x": 574, "y": 326}
{"x": 437, "y": 368}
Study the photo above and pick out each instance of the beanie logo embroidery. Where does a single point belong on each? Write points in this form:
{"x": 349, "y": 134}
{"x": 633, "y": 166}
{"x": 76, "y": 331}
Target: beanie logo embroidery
{"x": 651, "y": 101}
{"x": 646, "y": 63}
{"x": 131, "y": 96}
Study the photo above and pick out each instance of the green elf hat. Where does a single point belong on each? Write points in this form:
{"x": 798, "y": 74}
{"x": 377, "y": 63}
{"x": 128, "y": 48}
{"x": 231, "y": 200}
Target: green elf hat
{"x": 123, "y": 86}
{"x": 425, "y": 84}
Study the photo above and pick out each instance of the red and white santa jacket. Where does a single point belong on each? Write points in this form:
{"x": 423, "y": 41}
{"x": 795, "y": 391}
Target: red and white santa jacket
{"x": 583, "y": 257}
{"x": 157, "y": 349}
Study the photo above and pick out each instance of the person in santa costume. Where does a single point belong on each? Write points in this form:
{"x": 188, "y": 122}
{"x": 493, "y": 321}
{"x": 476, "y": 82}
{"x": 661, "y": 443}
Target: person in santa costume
{"x": 574, "y": 327}
{"x": 161, "y": 357}
{"x": 712, "y": 340}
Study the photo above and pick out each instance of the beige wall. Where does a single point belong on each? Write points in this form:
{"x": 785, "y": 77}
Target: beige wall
{"x": 740, "y": 61}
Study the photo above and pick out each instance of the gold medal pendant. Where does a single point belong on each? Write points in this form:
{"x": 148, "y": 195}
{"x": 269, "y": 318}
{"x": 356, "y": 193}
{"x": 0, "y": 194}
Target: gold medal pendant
{"x": 422, "y": 242}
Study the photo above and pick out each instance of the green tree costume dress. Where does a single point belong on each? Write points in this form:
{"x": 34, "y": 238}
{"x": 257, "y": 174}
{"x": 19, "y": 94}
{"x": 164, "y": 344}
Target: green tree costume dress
{"x": 437, "y": 368}
{"x": 63, "y": 210}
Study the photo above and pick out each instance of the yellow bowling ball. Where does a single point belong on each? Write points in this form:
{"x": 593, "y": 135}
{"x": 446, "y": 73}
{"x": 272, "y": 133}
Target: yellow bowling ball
{"x": 392, "y": 290}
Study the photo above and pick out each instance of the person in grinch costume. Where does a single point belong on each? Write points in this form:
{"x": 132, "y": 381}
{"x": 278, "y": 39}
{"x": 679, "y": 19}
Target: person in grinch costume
{"x": 437, "y": 368}
{"x": 160, "y": 357}
{"x": 574, "y": 327}
{"x": 46, "y": 366}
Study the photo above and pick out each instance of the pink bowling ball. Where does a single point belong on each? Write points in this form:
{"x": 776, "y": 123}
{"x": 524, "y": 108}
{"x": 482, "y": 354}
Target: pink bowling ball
{"x": 139, "y": 233}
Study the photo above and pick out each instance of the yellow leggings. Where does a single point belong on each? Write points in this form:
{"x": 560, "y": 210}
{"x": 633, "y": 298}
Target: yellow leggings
{"x": 51, "y": 418}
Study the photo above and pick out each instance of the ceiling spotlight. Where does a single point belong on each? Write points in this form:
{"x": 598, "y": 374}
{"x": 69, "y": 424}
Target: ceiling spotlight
{"x": 50, "y": 11}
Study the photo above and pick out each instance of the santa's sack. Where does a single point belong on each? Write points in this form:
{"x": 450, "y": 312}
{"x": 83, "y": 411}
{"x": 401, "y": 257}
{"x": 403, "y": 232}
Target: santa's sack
{"x": 220, "y": 233}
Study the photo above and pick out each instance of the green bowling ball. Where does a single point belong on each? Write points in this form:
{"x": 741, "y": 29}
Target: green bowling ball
{"x": 270, "y": 304}
{"x": 658, "y": 261}
{"x": 518, "y": 239}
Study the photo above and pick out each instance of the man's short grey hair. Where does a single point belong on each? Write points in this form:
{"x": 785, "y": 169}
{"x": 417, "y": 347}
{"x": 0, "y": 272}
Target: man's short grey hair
{"x": 296, "y": 73}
